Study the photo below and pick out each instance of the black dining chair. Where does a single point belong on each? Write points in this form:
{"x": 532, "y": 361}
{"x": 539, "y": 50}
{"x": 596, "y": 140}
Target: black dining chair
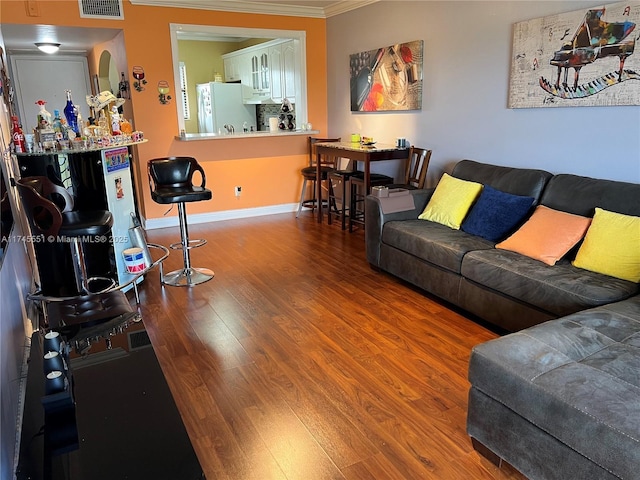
{"x": 415, "y": 169}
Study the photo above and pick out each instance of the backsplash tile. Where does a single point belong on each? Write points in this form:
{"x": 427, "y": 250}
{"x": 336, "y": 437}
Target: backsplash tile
{"x": 264, "y": 112}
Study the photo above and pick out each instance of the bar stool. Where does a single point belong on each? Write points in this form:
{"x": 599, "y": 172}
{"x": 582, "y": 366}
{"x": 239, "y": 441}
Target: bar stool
{"x": 357, "y": 181}
{"x": 309, "y": 175}
{"x": 343, "y": 178}
{"x": 49, "y": 211}
{"x": 171, "y": 181}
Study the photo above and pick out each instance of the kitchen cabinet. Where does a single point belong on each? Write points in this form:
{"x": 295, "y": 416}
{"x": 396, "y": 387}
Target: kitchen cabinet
{"x": 267, "y": 70}
{"x": 289, "y": 71}
{"x": 232, "y": 70}
{"x": 283, "y": 72}
{"x": 277, "y": 88}
{"x": 260, "y": 77}
{"x": 250, "y": 67}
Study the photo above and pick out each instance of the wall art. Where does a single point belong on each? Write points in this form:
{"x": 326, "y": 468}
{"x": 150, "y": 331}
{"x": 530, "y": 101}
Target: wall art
{"x": 387, "y": 78}
{"x": 138, "y": 73}
{"x": 581, "y": 58}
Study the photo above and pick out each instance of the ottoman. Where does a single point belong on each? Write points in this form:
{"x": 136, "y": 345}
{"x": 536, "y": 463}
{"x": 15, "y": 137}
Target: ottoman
{"x": 561, "y": 400}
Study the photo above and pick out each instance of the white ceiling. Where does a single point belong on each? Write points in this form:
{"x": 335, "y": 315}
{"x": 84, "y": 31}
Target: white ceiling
{"x": 72, "y": 40}
{"x": 77, "y": 40}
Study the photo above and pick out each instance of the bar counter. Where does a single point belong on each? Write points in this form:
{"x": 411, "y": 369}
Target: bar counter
{"x": 98, "y": 178}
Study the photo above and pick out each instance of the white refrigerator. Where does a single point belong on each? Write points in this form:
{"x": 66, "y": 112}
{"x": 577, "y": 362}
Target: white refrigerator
{"x": 221, "y": 104}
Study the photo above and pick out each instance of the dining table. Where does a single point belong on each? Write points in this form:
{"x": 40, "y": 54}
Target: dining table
{"x": 358, "y": 152}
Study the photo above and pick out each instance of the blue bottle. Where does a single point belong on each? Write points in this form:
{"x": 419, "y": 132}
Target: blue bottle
{"x": 71, "y": 114}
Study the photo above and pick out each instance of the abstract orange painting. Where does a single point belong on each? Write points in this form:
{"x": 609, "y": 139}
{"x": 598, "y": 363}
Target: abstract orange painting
{"x": 387, "y": 78}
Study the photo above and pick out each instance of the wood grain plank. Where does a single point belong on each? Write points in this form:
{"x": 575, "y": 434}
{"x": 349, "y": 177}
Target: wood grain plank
{"x": 298, "y": 361}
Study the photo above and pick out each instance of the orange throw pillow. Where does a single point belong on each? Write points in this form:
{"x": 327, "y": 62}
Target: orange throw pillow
{"x": 548, "y": 235}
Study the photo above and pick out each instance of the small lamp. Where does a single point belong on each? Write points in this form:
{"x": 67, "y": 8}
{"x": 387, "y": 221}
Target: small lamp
{"x": 48, "y": 47}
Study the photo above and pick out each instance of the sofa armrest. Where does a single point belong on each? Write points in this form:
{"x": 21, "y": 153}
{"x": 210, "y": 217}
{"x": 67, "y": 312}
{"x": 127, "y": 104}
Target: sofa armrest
{"x": 375, "y": 219}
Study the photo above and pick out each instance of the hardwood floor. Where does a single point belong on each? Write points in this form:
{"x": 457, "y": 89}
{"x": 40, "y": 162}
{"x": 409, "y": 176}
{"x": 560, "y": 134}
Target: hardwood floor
{"x": 298, "y": 361}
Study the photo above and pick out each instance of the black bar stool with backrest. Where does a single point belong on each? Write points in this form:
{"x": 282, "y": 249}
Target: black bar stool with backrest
{"x": 171, "y": 181}
{"x": 49, "y": 211}
{"x": 327, "y": 165}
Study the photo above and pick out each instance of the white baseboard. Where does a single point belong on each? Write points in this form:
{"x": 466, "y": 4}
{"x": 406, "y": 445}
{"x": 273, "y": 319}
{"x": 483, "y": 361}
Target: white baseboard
{"x": 153, "y": 223}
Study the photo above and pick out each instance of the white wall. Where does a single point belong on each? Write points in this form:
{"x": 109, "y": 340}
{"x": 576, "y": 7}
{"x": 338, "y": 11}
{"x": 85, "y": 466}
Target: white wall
{"x": 467, "y": 49}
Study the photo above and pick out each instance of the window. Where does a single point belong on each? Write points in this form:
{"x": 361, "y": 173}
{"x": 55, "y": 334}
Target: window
{"x": 183, "y": 90}
{"x": 220, "y": 33}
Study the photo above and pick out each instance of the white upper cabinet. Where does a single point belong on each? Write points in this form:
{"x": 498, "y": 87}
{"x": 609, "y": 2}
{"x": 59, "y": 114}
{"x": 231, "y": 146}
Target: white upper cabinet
{"x": 277, "y": 68}
{"x": 283, "y": 72}
{"x": 267, "y": 70}
{"x": 232, "y": 68}
{"x": 289, "y": 71}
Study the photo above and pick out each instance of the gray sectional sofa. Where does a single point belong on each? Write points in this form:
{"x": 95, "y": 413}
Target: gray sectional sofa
{"x": 561, "y": 400}
{"x": 560, "y": 397}
{"x": 502, "y": 287}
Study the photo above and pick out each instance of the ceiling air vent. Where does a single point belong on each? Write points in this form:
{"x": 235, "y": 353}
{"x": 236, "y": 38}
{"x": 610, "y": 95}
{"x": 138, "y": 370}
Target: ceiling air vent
{"x": 110, "y": 9}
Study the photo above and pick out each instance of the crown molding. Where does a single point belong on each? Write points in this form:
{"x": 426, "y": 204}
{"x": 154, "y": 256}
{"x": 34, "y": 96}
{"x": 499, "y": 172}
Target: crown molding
{"x": 345, "y": 6}
{"x": 257, "y": 7}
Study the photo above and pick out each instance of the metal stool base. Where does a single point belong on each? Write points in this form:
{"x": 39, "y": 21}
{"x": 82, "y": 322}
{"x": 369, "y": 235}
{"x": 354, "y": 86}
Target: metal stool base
{"x": 187, "y": 277}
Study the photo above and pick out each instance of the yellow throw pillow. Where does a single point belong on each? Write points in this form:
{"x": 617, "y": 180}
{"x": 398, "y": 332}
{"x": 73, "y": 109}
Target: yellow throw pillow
{"x": 548, "y": 235}
{"x": 612, "y": 246}
{"x": 451, "y": 201}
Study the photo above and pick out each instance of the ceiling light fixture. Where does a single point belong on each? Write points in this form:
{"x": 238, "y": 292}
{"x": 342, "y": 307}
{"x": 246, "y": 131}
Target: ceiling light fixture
{"x": 48, "y": 47}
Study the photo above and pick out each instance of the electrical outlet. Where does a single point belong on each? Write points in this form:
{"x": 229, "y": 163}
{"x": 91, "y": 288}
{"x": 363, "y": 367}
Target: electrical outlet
{"x": 238, "y": 191}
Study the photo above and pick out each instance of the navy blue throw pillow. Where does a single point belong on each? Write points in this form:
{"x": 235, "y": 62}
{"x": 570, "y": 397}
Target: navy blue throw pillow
{"x": 496, "y": 214}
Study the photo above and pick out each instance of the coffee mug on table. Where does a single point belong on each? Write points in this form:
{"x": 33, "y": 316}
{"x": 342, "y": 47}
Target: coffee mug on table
{"x": 355, "y": 138}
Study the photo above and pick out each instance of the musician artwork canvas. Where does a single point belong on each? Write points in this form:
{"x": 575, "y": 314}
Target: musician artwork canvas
{"x": 388, "y": 78}
{"x": 582, "y": 58}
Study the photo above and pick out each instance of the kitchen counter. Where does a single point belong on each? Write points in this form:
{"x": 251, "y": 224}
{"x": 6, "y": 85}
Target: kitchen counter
{"x": 189, "y": 137}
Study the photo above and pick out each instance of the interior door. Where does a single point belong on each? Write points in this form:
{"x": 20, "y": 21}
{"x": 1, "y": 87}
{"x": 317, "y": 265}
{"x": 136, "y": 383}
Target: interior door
{"x": 46, "y": 78}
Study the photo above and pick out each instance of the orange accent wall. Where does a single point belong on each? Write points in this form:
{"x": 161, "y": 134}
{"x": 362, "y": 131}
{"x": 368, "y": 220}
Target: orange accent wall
{"x": 266, "y": 168}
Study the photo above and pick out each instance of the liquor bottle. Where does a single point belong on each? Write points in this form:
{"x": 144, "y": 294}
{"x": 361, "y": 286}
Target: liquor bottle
{"x": 44, "y": 117}
{"x": 71, "y": 113}
{"x": 103, "y": 124}
{"x": 18, "y": 137}
{"x": 57, "y": 125}
{"x": 115, "y": 121}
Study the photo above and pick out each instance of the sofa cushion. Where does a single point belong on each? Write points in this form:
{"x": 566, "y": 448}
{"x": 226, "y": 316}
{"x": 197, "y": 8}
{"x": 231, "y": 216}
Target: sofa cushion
{"x": 451, "y": 201}
{"x": 496, "y": 214}
{"x": 612, "y": 246}
{"x": 432, "y": 242}
{"x": 548, "y": 235}
{"x": 560, "y": 289}
{"x": 518, "y": 181}
{"x": 576, "y": 378}
{"x": 580, "y": 195}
